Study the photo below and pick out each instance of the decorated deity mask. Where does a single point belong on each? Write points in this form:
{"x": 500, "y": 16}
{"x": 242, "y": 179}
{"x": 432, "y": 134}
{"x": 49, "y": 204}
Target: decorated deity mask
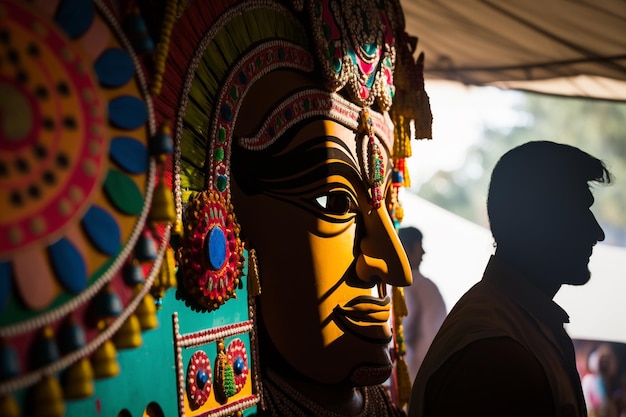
{"x": 285, "y": 152}
{"x": 325, "y": 242}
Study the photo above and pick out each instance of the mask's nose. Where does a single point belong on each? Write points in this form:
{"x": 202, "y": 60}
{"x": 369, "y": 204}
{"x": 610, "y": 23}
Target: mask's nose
{"x": 382, "y": 256}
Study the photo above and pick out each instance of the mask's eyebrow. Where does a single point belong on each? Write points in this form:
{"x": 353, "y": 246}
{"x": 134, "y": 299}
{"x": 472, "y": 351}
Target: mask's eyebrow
{"x": 309, "y": 103}
{"x": 307, "y": 167}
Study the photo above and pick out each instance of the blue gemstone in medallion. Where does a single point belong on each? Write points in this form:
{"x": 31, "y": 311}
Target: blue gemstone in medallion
{"x": 201, "y": 378}
{"x": 239, "y": 366}
{"x": 216, "y": 247}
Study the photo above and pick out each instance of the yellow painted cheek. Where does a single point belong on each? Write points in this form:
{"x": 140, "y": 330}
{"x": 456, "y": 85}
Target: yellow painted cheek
{"x": 330, "y": 331}
{"x": 332, "y": 259}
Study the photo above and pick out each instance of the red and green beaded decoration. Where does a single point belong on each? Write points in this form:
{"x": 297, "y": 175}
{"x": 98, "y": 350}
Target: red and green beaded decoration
{"x": 225, "y": 386}
{"x": 354, "y": 49}
{"x": 212, "y": 252}
{"x": 377, "y": 172}
{"x": 265, "y": 58}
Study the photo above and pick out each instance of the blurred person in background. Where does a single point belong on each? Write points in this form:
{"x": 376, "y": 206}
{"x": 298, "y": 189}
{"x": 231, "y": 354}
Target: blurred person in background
{"x": 599, "y": 384}
{"x": 425, "y": 304}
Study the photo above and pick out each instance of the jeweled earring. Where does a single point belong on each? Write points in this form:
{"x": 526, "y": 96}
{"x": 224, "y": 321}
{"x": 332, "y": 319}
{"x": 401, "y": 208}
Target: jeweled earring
{"x": 376, "y": 163}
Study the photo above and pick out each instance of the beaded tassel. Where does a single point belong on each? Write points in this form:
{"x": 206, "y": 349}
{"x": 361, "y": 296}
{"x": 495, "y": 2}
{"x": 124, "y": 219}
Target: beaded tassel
{"x": 254, "y": 283}
{"x": 411, "y": 101}
{"x": 137, "y": 32}
{"x": 402, "y": 371}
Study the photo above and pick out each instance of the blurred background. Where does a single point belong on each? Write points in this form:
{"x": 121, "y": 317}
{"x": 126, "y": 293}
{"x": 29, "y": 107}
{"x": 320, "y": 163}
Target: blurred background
{"x": 472, "y": 127}
{"x": 572, "y": 55}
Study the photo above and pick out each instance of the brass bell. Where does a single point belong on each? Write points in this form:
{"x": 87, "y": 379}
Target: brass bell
{"x": 104, "y": 361}
{"x": 45, "y": 350}
{"x": 137, "y": 32}
{"x": 161, "y": 143}
{"x": 166, "y": 277}
{"x": 77, "y": 380}
{"x": 133, "y": 273}
{"x": 9, "y": 363}
{"x": 163, "y": 209}
{"x": 9, "y": 407}
{"x": 107, "y": 304}
{"x": 146, "y": 313}
{"x": 129, "y": 335}
{"x": 146, "y": 248}
{"x": 47, "y": 398}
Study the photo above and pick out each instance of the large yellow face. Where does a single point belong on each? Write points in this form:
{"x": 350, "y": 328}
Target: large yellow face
{"x": 325, "y": 254}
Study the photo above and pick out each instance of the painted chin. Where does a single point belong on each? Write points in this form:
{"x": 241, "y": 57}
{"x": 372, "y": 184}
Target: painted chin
{"x": 367, "y": 375}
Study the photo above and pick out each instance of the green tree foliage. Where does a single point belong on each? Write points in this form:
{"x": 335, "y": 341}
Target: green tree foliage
{"x": 597, "y": 127}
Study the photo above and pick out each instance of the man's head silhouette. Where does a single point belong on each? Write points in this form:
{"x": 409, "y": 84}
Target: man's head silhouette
{"x": 539, "y": 211}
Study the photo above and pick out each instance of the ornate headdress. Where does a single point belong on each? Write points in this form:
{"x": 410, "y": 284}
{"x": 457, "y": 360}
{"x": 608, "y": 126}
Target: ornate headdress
{"x": 356, "y": 50}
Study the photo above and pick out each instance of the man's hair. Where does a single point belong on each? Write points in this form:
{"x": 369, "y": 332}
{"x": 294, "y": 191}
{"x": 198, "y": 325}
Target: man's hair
{"x": 410, "y": 236}
{"x": 534, "y": 177}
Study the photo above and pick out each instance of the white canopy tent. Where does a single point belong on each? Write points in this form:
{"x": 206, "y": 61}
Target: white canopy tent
{"x": 563, "y": 47}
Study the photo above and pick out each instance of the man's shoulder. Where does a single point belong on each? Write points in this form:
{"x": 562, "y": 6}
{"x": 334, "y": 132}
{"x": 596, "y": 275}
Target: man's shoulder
{"x": 480, "y": 314}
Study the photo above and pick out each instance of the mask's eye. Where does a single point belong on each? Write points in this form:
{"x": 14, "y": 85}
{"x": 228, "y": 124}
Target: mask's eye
{"x": 336, "y": 202}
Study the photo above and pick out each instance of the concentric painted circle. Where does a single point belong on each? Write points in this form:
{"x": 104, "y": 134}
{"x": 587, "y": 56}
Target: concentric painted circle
{"x": 199, "y": 378}
{"x": 76, "y": 177}
{"x": 75, "y": 182}
{"x": 52, "y": 137}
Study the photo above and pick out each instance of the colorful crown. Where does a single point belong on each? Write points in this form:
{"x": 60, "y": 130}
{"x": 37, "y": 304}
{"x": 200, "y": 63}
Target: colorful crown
{"x": 355, "y": 47}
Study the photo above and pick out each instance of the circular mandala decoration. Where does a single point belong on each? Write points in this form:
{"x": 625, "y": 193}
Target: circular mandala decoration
{"x": 199, "y": 378}
{"x": 71, "y": 195}
{"x": 76, "y": 177}
{"x": 238, "y": 358}
{"x": 211, "y": 258}
{"x": 53, "y": 132}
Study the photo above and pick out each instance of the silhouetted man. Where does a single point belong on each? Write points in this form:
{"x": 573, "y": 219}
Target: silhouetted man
{"x": 502, "y": 350}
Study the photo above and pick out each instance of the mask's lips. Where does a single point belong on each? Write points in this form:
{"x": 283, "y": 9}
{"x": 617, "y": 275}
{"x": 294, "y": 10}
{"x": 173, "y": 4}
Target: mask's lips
{"x": 365, "y": 317}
